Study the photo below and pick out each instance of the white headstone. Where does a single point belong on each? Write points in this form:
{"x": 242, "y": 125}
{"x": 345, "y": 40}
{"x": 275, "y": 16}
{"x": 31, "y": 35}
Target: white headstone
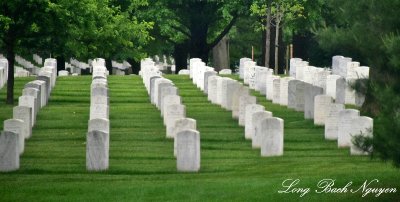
{"x": 16, "y": 126}
{"x": 212, "y": 88}
{"x": 99, "y": 111}
{"x": 188, "y": 151}
{"x": 172, "y": 113}
{"x": 332, "y": 120}
{"x": 100, "y": 124}
{"x": 276, "y": 83}
{"x": 24, "y": 114}
{"x": 321, "y": 108}
{"x": 97, "y": 150}
{"x": 170, "y": 100}
{"x": 331, "y": 85}
{"x": 310, "y": 91}
{"x": 240, "y": 91}
{"x": 245, "y": 100}
{"x": 362, "y": 126}
{"x": 345, "y": 125}
{"x": 250, "y": 110}
{"x": 284, "y": 91}
{"x": 270, "y": 86}
{"x": 28, "y": 101}
{"x": 256, "y": 130}
{"x": 225, "y": 71}
{"x": 9, "y": 151}
{"x": 272, "y": 137}
{"x": 181, "y": 125}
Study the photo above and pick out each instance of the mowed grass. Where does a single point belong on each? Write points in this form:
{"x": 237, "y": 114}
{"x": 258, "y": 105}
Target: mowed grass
{"x": 142, "y": 166}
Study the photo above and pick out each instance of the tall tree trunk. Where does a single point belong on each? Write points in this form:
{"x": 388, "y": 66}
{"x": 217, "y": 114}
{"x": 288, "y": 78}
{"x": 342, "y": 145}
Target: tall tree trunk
{"x": 267, "y": 35}
{"x": 221, "y": 55}
{"x": 11, "y": 60}
{"x": 277, "y": 45}
{"x": 180, "y": 55}
{"x": 60, "y": 63}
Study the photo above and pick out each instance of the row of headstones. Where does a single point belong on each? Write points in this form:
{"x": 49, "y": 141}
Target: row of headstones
{"x": 265, "y": 131}
{"x": 165, "y": 96}
{"x": 310, "y": 99}
{"x": 66, "y": 73}
{"x": 336, "y": 82}
{"x": 221, "y": 72}
{"x": 3, "y": 72}
{"x": 98, "y": 136}
{"x": 37, "y": 59}
{"x": 35, "y": 96}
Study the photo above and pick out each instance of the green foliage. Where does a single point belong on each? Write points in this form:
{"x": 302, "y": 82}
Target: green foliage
{"x": 368, "y": 31}
{"x": 82, "y": 29}
{"x": 285, "y": 11}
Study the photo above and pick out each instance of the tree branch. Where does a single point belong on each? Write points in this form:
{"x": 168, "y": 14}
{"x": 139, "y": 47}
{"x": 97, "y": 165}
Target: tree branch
{"x": 223, "y": 33}
{"x": 181, "y": 30}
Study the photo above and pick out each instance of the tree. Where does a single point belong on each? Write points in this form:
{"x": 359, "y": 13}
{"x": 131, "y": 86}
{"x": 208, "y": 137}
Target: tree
{"x": 368, "y": 31}
{"x": 282, "y": 12}
{"x": 193, "y": 27}
{"x": 18, "y": 20}
{"x": 63, "y": 28}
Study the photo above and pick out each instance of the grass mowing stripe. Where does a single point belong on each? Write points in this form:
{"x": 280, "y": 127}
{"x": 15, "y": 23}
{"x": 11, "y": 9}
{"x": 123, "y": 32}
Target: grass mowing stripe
{"x": 142, "y": 166}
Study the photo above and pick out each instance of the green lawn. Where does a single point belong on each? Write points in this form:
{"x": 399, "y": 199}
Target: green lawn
{"x": 142, "y": 166}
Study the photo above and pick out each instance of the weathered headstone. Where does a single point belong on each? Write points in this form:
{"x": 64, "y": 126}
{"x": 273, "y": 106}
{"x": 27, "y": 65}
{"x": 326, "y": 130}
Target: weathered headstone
{"x": 310, "y": 92}
{"x": 16, "y": 126}
{"x": 207, "y": 75}
{"x": 165, "y": 90}
{"x": 184, "y": 72}
{"x": 24, "y": 114}
{"x": 292, "y": 93}
{"x": 332, "y": 120}
{"x": 9, "y": 151}
{"x": 300, "y": 87}
{"x": 240, "y": 91}
{"x": 284, "y": 90}
{"x": 261, "y": 79}
{"x": 231, "y": 88}
{"x": 63, "y": 73}
{"x": 28, "y": 101}
{"x": 331, "y": 85}
{"x": 222, "y": 85}
{"x": 350, "y": 93}
{"x": 157, "y": 84}
{"x": 345, "y": 124}
{"x": 245, "y": 100}
{"x": 276, "y": 83}
{"x": 362, "y": 126}
{"x": 241, "y": 66}
{"x": 188, "y": 151}
{"x": 270, "y": 86}
{"x": 225, "y": 72}
{"x": 250, "y": 110}
{"x": 36, "y": 94}
{"x": 212, "y": 88}
{"x": 152, "y": 87}
{"x": 340, "y": 90}
{"x": 256, "y": 130}
{"x": 170, "y": 100}
{"x": 181, "y": 125}
{"x": 100, "y": 100}
{"x": 98, "y": 111}
{"x": 172, "y": 113}
{"x": 272, "y": 137}
{"x": 99, "y": 124}
{"x": 321, "y": 108}
{"x": 97, "y": 150}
